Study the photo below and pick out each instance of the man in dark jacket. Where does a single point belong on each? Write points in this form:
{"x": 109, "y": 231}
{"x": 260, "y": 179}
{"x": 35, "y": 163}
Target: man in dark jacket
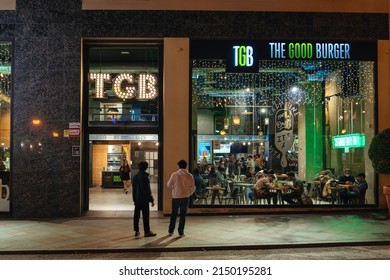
{"x": 142, "y": 196}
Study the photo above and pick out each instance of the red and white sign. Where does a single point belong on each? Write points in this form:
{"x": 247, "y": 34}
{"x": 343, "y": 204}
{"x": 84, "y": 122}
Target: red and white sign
{"x": 74, "y": 129}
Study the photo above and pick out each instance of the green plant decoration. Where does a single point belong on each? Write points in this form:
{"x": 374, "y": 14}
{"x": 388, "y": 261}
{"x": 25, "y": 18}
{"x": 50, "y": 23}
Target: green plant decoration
{"x": 379, "y": 152}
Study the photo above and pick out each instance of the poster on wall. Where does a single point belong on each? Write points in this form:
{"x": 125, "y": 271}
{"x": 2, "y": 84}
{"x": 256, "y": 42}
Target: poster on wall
{"x": 204, "y": 151}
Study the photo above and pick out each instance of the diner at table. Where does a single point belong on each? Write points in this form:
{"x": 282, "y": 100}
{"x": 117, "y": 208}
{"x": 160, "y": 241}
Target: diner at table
{"x": 264, "y": 188}
{"x": 293, "y": 197}
{"x": 223, "y": 174}
{"x": 357, "y": 192}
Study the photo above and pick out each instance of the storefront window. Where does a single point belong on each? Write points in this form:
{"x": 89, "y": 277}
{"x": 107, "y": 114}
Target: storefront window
{"x": 5, "y": 123}
{"x": 310, "y": 117}
{"x": 123, "y": 86}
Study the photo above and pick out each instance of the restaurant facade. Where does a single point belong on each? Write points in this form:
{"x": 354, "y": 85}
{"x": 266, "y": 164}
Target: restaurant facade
{"x": 83, "y": 86}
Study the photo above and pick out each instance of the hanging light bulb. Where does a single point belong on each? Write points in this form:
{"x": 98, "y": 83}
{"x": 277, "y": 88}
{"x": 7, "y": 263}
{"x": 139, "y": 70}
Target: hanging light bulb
{"x": 226, "y": 123}
{"x": 236, "y": 120}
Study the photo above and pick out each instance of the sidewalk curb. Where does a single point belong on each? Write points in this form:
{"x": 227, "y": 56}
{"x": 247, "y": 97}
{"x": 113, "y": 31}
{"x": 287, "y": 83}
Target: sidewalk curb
{"x": 201, "y": 248}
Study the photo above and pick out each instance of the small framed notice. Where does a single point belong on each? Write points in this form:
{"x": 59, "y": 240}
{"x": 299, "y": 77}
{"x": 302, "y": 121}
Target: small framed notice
{"x": 76, "y": 151}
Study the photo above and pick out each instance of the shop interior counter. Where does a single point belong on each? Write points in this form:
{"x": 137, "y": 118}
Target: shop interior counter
{"x": 111, "y": 179}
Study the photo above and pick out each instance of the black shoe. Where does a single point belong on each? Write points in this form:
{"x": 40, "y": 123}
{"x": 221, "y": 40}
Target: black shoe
{"x": 150, "y": 234}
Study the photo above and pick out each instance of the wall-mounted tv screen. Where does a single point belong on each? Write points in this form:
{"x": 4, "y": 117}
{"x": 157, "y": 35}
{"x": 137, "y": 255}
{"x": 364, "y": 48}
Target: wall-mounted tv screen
{"x": 238, "y": 148}
{"x": 224, "y": 149}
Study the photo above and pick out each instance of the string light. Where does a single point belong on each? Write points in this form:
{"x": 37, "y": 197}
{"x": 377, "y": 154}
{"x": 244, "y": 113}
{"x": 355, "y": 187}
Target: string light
{"x": 213, "y": 87}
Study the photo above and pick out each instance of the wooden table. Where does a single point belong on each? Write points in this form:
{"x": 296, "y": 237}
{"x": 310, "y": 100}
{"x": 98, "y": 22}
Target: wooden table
{"x": 335, "y": 192}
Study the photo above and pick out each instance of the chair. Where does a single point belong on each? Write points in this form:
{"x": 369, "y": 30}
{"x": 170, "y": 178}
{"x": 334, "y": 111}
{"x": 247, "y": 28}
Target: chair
{"x": 198, "y": 198}
{"x": 233, "y": 196}
{"x": 259, "y": 199}
{"x": 359, "y": 200}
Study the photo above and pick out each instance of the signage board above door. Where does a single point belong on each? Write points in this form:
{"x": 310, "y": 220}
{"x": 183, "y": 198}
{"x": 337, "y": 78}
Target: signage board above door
{"x": 244, "y": 55}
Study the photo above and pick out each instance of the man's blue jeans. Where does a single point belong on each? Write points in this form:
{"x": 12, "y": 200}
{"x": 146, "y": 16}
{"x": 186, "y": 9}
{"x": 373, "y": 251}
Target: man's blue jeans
{"x": 182, "y": 204}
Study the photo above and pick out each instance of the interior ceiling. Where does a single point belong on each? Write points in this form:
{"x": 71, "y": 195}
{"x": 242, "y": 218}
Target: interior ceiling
{"x": 119, "y": 59}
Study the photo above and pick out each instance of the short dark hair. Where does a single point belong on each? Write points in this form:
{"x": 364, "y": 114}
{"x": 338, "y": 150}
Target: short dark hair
{"x": 182, "y": 163}
{"x": 143, "y": 165}
{"x": 361, "y": 175}
{"x": 196, "y": 171}
{"x": 291, "y": 174}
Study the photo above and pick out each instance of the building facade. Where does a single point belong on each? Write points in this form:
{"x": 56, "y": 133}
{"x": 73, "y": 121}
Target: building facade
{"x": 178, "y": 91}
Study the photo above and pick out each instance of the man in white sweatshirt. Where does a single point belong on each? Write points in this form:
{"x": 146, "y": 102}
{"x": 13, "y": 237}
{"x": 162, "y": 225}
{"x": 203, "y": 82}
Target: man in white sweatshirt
{"x": 182, "y": 185}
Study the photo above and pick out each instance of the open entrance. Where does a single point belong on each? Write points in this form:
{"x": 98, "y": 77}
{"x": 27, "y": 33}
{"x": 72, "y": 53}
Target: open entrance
{"x": 122, "y": 91}
{"x": 106, "y": 189}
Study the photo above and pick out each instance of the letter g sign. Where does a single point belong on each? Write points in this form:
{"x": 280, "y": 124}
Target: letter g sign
{"x": 243, "y": 56}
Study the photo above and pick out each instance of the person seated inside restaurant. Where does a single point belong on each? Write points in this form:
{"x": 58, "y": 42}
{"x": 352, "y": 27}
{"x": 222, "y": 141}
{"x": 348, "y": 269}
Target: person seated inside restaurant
{"x": 264, "y": 187}
{"x": 212, "y": 173}
{"x": 199, "y": 182}
{"x": 325, "y": 183}
{"x": 232, "y": 167}
{"x": 271, "y": 172}
{"x": 347, "y": 178}
{"x": 250, "y": 166}
{"x": 221, "y": 173}
{"x": 358, "y": 191}
{"x": 293, "y": 197}
{"x": 203, "y": 165}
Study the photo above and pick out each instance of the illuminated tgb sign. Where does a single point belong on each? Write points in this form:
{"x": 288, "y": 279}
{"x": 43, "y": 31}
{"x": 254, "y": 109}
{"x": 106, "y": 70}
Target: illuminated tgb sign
{"x": 243, "y": 56}
{"x": 124, "y": 85}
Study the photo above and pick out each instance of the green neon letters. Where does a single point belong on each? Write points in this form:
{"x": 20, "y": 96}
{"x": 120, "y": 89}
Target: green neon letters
{"x": 300, "y": 50}
{"x": 349, "y": 141}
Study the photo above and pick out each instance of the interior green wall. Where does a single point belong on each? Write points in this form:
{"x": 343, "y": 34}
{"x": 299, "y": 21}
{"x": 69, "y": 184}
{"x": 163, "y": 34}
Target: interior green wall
{"x": 314, "y": 130}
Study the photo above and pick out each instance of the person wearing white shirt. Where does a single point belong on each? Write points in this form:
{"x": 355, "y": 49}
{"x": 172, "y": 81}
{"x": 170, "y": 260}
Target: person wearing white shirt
{"x": 182, "y": 184}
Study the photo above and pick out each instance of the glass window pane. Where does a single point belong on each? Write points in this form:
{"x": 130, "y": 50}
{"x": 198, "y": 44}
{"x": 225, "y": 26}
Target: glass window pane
{"x": 5, "y": 123}
{"x": 285, "y": 118}
{"x": 123, "y": 86}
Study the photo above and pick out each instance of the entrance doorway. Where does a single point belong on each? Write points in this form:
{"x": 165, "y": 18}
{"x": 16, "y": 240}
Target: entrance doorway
{"x": 106, "y": 192}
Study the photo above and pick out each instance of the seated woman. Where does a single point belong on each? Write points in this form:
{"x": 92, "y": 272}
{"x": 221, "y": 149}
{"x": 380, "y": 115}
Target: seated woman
{"x": 199, "y": 182}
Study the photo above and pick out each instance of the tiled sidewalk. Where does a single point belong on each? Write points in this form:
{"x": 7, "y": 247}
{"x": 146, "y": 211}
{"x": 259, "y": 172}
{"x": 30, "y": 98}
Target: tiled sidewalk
{"x": 91, "y": 233}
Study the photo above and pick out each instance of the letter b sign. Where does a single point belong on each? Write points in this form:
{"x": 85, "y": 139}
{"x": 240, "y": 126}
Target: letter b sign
{"x": 243, "y": 56}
